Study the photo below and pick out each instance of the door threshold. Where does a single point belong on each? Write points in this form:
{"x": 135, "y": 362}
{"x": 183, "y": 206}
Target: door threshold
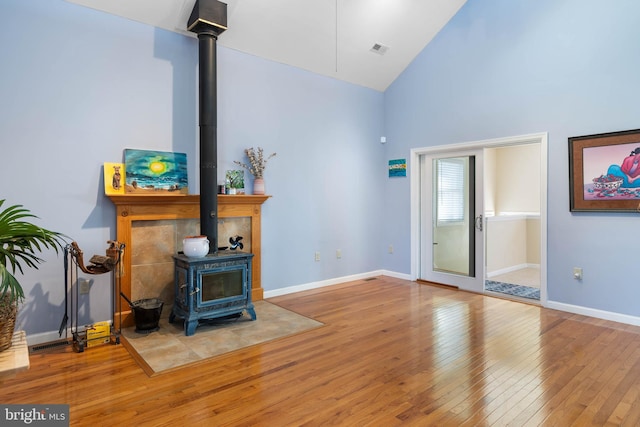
{"x": 440, "y": 285}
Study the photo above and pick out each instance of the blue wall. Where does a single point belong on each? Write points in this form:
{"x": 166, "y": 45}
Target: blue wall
{"x": 504, "y": 68}
{"x": 78, "y": 86}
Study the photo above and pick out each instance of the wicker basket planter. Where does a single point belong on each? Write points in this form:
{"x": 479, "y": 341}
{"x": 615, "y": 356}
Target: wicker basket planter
{"x": 8, "y": 314}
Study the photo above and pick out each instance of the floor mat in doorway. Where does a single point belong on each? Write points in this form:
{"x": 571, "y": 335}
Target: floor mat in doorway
{"x": 510, "y": 289}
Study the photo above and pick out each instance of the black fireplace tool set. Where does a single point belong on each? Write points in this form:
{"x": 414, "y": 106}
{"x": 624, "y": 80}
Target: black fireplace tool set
{"x": 98, "y": 264}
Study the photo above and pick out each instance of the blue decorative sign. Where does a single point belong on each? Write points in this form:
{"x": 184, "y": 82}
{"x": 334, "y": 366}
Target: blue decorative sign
{"x": 398, "y": 167}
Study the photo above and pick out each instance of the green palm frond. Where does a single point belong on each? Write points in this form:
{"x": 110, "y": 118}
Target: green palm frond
{"x": 20, "y": 241}
{"x": 9, "y": 285}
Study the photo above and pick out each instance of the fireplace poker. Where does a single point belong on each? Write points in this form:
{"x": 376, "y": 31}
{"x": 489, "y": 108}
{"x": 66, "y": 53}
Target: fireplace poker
{"x": 65, "y": 318}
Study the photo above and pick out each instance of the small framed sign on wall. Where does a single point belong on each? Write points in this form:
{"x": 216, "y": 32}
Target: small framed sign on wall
{"x": 397, "y": 167}
{"x": 113, "y": 178}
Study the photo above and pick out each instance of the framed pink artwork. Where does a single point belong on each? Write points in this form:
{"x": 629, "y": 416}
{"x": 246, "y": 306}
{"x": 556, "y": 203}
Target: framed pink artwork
{"x": 604, "y": 172}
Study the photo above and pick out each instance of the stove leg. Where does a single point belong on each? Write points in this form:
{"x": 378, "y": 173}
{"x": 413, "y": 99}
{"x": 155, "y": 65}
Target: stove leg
{"x": 252, "y": 312}
{"x": 190, "y": 327}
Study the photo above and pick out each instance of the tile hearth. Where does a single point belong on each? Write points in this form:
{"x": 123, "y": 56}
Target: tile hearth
{"x": 169, "y": 348}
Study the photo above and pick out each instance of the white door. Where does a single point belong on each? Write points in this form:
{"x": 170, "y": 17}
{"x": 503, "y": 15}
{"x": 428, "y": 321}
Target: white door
{"x": 451, "y": 237}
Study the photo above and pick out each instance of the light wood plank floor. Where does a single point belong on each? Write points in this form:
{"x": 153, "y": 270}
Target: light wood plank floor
{"x": 393, "y": 353}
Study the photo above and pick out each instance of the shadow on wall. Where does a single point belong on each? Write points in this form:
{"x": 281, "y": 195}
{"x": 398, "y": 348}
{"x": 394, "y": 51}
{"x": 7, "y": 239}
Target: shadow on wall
{"x": 176, "y": 51}
{"x": 38, "y": 314}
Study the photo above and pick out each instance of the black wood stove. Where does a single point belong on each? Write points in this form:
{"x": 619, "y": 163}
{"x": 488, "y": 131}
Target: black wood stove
{"x": 218, "y": 284}
{"x": 211, "y": 287}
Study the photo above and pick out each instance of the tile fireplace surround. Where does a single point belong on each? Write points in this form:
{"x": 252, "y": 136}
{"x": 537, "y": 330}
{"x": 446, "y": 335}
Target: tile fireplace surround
{"x": 152, "y": 229}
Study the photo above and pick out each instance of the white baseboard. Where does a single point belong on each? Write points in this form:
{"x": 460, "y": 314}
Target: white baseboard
{"x": 395, "y": 274}
{"x": 511, "y": 269}
{"x": 334, "y": 281}
{"x": 593, "y": 312}
{"x": 34, "y": 339}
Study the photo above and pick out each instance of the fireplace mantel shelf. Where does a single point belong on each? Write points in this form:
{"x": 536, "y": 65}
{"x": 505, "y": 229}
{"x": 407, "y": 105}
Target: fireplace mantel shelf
{"x": 130, "y": 208}
{"x": 184, "y": 199}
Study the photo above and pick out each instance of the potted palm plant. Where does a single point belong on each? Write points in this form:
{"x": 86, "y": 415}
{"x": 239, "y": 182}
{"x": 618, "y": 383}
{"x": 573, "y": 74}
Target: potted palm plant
{"x": 20, "y": 241}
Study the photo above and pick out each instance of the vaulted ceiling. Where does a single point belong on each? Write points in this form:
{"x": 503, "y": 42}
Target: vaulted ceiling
{"x": 334, "y": 38}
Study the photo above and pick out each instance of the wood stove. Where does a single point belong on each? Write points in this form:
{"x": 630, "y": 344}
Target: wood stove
{"x": 211, "y": 287}
{"x": 218, "y": 284}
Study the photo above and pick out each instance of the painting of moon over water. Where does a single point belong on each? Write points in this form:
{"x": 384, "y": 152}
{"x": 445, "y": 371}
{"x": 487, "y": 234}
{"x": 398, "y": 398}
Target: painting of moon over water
{"x": 155, "y": 172}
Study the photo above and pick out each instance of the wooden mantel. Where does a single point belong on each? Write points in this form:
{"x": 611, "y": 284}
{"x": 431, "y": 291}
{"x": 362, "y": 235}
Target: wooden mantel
{"x": 131, "y": 208}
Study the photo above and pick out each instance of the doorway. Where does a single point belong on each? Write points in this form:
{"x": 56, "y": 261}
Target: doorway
{"x": 491, "y": 178}
{"x": 451, "y": 206}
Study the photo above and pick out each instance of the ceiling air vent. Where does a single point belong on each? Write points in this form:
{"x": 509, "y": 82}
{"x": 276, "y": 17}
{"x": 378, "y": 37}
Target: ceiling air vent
{"x": 380, "y": 49}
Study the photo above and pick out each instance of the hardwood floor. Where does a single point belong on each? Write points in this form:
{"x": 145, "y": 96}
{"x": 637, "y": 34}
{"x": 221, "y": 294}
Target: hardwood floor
{"x": 393, "y": 352}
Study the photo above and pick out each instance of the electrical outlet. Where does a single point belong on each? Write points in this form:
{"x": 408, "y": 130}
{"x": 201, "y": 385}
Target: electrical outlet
{"x": 577, "y": 273}
{"x": 317, "y": 256}
{"x": 338, "y": 253}
{"x": 390, "y": 249}
{"x": 84, "y": 286}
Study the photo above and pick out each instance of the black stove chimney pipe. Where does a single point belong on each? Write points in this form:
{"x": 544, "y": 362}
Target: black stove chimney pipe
{"x": 208, "y": 19}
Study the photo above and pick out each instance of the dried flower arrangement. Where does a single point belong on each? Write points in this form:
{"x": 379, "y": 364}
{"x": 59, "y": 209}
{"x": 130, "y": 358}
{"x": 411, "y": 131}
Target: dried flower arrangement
{"x": 257, "y": 162}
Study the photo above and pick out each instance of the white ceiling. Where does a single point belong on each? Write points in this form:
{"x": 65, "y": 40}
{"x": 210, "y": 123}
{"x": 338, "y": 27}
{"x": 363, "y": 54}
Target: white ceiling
{"x": 329, "y": 37}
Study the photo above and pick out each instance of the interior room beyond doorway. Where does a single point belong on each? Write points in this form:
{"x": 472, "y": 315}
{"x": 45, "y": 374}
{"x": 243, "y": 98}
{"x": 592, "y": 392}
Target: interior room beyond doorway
{"x": 512, "y": 212}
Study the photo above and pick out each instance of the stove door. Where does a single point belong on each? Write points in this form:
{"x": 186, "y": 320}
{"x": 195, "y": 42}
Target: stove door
{"x": 222, "y": 286}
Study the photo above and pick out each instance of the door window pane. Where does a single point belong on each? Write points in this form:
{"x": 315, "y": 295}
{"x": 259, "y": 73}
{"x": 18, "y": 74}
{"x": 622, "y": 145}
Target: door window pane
{"x": 450, "y": 190}
{"x": 453, "y": 229}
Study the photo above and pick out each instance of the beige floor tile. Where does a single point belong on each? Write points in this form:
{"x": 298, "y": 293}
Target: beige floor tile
{"x": 169, "y": 347}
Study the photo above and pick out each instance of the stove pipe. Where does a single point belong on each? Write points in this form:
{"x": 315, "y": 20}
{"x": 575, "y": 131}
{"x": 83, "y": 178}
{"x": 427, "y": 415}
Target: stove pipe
{"x": 208, "y": 19}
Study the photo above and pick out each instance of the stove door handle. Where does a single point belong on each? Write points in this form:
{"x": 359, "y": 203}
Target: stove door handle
{"x": 195, "y": 291}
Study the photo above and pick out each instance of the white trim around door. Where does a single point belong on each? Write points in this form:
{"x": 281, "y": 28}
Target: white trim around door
{"x": 414, "y": 168}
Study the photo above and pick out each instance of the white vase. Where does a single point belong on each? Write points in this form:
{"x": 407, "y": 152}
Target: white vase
{"x": 195, "y": 246}
{"x": 258, "y": 186}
